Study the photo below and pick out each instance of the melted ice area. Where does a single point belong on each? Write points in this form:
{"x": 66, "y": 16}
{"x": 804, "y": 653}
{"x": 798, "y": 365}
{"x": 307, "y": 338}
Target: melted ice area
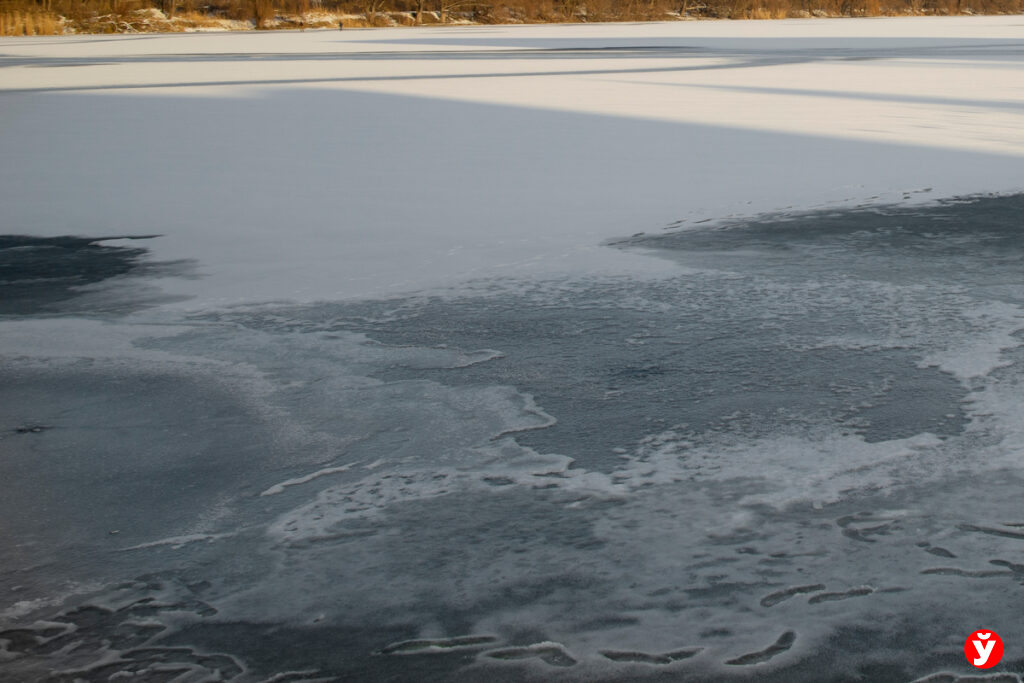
{"x": 784, "y": 454}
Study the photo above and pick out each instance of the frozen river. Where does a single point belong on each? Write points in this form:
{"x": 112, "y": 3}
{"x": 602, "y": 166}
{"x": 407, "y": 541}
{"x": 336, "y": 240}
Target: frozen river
{"x": 675, "y": 352}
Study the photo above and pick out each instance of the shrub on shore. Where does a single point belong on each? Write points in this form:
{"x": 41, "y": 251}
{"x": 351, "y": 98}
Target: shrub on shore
{"x": 47, "y": 17}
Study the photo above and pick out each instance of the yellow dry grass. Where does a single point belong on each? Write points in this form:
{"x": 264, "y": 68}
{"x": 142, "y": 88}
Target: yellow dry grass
{"x": 29, "y": 23}
{"x": 47, "y": 17}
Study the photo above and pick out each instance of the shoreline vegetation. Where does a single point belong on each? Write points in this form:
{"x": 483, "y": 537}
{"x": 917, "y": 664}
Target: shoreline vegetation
{"x": 56, "y": 17}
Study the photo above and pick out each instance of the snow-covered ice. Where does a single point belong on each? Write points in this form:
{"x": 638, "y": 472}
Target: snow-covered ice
{"x": 330, "y": 164}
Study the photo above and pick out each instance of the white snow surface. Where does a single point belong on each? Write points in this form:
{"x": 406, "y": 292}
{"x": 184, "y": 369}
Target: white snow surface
{"x": 337, "y": 164}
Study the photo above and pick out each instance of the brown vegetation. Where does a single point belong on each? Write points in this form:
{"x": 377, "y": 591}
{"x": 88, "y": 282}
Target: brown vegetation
{"x": 43, "y": 17}
{"x": 29, "y": 22}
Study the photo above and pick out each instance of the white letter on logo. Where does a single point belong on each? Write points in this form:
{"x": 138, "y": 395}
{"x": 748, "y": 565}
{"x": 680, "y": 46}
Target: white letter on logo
{"x": 983, "y": 652}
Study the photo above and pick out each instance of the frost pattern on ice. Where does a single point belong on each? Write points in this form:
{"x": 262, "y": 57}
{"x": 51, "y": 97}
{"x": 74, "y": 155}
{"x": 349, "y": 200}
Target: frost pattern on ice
{"x": 305, "y": 479}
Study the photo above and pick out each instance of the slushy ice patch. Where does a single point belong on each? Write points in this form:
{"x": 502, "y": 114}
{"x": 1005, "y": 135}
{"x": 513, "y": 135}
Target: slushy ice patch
{"x": 112, "y": 637}
{"x": 767, "y": 467}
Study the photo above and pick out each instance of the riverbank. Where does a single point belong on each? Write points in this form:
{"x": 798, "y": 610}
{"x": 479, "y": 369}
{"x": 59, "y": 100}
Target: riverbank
{"x": 138, "y": 16}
